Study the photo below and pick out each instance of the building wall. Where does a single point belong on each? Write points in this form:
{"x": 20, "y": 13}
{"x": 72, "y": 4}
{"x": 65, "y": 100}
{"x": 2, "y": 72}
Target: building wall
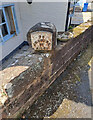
{"x": 15, "y": 41}
{"x": 28, "y": 15}
{"x": 54, "y": 12}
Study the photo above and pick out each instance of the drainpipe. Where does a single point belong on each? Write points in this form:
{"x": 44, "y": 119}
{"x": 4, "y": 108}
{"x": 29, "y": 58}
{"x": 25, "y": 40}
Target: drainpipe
{"x": 67, "y": 19}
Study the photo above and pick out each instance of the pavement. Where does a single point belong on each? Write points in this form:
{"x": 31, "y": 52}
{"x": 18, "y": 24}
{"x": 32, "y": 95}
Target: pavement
{"x": 81, "y": 17}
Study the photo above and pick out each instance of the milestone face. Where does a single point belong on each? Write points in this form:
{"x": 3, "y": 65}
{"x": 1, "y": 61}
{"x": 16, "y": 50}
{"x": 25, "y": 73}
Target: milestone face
{"x": 41, "y": 40}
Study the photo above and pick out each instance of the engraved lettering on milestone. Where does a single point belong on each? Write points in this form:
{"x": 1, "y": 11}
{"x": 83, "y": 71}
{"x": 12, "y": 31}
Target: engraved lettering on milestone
{"x": 41, "y": 40}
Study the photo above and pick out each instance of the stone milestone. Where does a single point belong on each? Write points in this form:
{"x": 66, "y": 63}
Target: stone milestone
{"x": 42, "y": 36}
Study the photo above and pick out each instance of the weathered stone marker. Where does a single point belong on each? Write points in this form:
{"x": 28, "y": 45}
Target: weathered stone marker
{"x": 42, "y": 36}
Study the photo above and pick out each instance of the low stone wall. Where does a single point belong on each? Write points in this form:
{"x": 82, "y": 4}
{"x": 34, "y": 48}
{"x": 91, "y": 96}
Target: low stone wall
{"x": 30, "y": 83}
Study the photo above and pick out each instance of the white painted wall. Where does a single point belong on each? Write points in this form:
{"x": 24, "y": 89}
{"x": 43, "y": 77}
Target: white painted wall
{"x": 15, "y": 41}
{"x": 54, "y": 12}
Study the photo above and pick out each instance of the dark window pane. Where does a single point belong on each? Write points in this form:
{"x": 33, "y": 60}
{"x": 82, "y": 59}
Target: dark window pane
{"x": 4, "y": 30}
{"x": 1, "y": 17}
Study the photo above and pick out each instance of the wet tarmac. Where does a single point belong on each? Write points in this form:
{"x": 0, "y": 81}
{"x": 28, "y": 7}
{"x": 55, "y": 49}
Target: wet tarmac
{"x": 72, "y": 89}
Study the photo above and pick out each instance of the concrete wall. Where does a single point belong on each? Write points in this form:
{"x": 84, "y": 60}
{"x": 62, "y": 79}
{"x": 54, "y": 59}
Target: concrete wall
{"x": 15, "y": 41}
{"x": 54, "y": 12}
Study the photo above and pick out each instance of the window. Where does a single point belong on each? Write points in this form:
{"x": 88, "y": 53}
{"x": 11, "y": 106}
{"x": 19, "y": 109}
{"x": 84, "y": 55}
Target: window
{"x": 8, "y": 22}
